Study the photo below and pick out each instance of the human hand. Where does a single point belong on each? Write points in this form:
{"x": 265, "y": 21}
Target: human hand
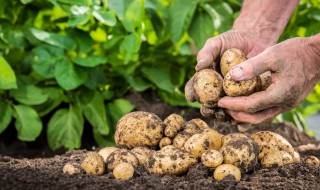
{"x": 294, "y": 66}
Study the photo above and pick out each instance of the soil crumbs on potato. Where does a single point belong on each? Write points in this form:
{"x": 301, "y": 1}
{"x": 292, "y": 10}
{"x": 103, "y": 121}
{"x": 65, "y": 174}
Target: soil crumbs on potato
{"x": 31, "y": 169}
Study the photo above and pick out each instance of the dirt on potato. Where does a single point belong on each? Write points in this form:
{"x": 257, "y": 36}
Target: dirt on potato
{"x": 33, "y": 166}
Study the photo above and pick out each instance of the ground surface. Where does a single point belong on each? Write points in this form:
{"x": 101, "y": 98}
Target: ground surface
{"x": 31, "y": 166}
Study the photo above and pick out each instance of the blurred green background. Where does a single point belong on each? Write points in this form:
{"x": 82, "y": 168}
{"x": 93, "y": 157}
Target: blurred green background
{"x": 67, "y": 62}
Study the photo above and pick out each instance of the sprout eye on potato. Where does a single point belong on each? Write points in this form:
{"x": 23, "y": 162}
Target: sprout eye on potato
{"x": 227, "y": 171}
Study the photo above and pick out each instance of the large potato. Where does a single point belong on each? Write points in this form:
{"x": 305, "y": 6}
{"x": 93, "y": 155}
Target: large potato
{"x": 207, "y": 84}
{"x": 276, "y": 159}
{"x": 230, "y": 58}
{"x": 169, "y": 160}
{"x": 121, "y": 156}
{"x": 141, "y": 153}
{"x": 173, "y": 123}
{"x": 241, "y": 152}
{"x": 195, "y": 125}
{"x": 240, "y": 88}
{"x": 139, "y": 129}
{"x": 269, "y": 142}
{"x": 207, "y": 139}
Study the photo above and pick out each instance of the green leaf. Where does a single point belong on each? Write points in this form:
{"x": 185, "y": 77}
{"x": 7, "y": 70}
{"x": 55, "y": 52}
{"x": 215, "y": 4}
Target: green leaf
{"x": 117, "y": 109}
{"x": 7, "y": 77}
{"x": 65, "y": 128}
{"x": 92, "y": 104}
{"x": 90, "y": 61}
{"x": 181, "y": 12}
{"x": 160, "y": 76}
{"x": 78, "y": 20}
{"x": 176, "y": 98}
{"x": 29, "y": 95}
{"x": 103, "y": 140}
{"x": 133, "y": 15}
{"x": 5, "y": 115}
{"x": 28, "y": 123}
{"x": 76, "y": 2}
{"x": 138, "y": 83}
{"x": 130, "y": 44}
{"x": 119, "y": 6}
{"x": 55, "y": 97}
{"x": 64, "y": 42}
{"x": 107, "y": 18}
{"x": 68, "y": 75}
{"x": 201, "y": 28}
{"x": 26, "y": 1}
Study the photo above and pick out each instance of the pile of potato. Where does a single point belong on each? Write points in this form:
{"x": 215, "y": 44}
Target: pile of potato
{"x": 172, "y": 146}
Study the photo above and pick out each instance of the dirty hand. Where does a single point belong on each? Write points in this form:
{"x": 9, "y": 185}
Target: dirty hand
{"x": 295, "y": 70}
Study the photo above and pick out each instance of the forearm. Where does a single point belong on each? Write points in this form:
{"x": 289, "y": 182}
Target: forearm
{"x": 266, "y": 19}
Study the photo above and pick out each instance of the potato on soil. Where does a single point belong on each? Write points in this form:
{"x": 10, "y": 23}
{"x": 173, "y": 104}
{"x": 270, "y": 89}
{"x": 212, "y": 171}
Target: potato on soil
{"x": 165, "y": 141}
{"x": 230, "y": 58}
{"x": 170, "y": 161}
{"x": 276, "y": 159}
{"x": 207, "y": 84}
{"x": 269, "y": 142}
{"x": 207, "y": 139}
{"x": 123, "y": 171}
{"x": 141, "y": 153}
{"x": 296, "y": 156}
{"x": 227, "y": 171}
{"x": 195, "y": 125}
{"x": 71, "y": 168}
{"x": 240, "y": 88}
{"x": 226, "y": 138}
{"x": 139, "y": 129}
{"x": 312, "y": 160}
{"x": 241, "y": 152}
{"x": 211, "y": 158}
{"x": 105, "y": 152}
{"x": 179, "y": 140}
{"x": 93, "y": 164}
{"x": 173, "y": 123}
{"x": 121, "y": 156}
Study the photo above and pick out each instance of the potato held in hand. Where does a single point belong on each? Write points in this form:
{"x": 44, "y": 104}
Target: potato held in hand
{"x": 139, "y": 129}
{"x": 231, "y": 58}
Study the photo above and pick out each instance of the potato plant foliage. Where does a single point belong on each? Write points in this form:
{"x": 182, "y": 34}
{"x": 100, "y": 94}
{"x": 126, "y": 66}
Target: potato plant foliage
{"x": 67, "y": 63}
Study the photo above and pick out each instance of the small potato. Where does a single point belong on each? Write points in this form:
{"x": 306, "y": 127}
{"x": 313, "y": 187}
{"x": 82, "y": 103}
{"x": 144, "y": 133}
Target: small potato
{"x": 227, "y": 171}
{"x": 165, "y": 141}
{"x": 226, "y": 138}
{"x": 180, "y": 139}
{"x": 139, "y": 129}
{"x": 312, "y": 160}
{"x": 195, "y": 125}
{"x": 231, "y": 58}
{"x": 207, "y": 139}
{"x": 296, "y": 157}
{"x": 141, "y": 153}
{"x": 105, "y": 152}
{"x": 240, "y": 88}
{"x": 173, "y": 123}
{"x": 276, "y": 159}
{"x": 207, "y": 84}
{"x": 71, "y": 168}
{"x": 123, "y": 171}
{"x": 211, "y": 158}
{"x": 241, "y": 152}
{"x": 266, "y": 80}
{"x": 93, "y": 164}
{"x": 121, "y": 156}
{"x": 170, "y": 161}
{"x": 269, "y": 142}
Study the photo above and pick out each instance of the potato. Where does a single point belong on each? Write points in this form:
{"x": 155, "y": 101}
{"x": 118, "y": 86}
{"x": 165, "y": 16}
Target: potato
{"x": 198, "y": 143}
{"x": 276, "y": 159}
{"x": 123, "y": 171}
{"x": 296, "y": 156}
{"x": 211, "y": 158}
{"x": 141, "y": 153}
{"x": 227, "y": 171}
{"x": 71, "y": 168}
{"x": 226, "y": 138}
{"x": 207, "y": 84}
{"x": 180, "y": 139}
{"x": 105, "y": 152}
{"x": 312, "y": 160}
{"x": 170, "y": 161}
{"x": 139, "y": 129}
{"x": 240, "y": 88}
{"x": 195, "y": 125}
{"x": 121, "y": 156}
{"x": 269, "y": 142}
{"x": 241, "y": 152}
{"x": 173, "y": 123}
{"x": 266, "y": 80}
{"x": 230, "y": 58}
{"x": 165, "y": 141}
{"x": 93, "y": 164}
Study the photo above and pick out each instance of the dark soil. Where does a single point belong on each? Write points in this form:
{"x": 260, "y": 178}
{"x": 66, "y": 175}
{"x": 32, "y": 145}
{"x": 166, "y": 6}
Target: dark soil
{"x": 35, "y": 167}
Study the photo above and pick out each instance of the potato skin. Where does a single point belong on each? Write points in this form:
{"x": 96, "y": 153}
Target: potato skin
{"x": 180, "y": 139}
{"x": 207, "y": 84}
{"x": 230, "y": 58}
{"x": 269, "y": 141}
{"x": 296, "y": 156}
{"x": 121, "y": 156}
{"x": 226, "y": 138}
{"x": 276, "y": 159}
{"x": 71, "y": 168}
{"x": 312, "y": 160}
{"x": 173, "y": 123}
{"x": 198, "y": 143}
{"x": 123, "y": 171}
{"x": 240, "y": 88}
{"x": 139, "y": 129}
{"x": 195, "y": 125}
{"x": 105, "y": 152}
{"x": 141, "y": 153}
{"x": 165, "y": 141}
{"x": 93, "y": 164}
{"x": 211, "y": 158}
{"x": 227, "y": 171}
{"x": 266, "y": 80}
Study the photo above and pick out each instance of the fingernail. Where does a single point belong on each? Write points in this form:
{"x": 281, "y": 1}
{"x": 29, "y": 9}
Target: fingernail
{"x": 237, "y": 72}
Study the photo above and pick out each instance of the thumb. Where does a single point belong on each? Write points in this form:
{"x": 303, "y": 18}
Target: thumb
{"x": 250, "y": 68}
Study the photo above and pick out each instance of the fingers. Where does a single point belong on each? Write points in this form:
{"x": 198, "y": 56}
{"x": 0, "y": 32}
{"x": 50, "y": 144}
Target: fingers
{"x": 208, "y": 54}
{"x": 189, "y": 90}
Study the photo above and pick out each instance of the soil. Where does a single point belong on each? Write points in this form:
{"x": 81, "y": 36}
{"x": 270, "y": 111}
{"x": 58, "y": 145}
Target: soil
{"x": 32, "y": 166}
